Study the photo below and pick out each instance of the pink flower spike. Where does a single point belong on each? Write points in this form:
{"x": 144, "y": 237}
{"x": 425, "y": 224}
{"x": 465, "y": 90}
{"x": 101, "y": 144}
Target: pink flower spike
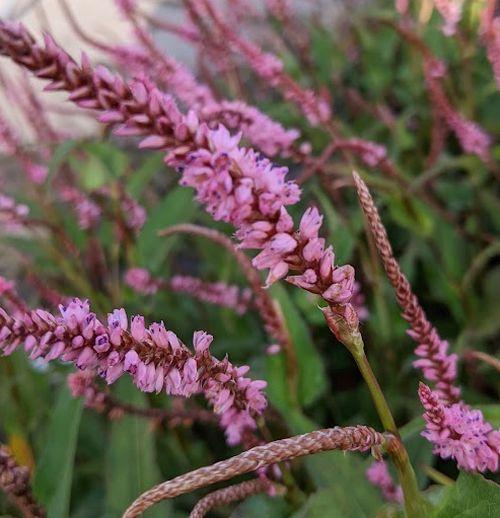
{"x": 460, "y": 433}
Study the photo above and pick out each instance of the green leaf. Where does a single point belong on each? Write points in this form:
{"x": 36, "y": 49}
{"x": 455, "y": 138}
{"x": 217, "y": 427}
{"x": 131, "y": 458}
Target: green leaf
{"x": 312, "y": 378}
{"x": 131, "y": 459}
{"x": 412, "y": 214}
{"x": 92, "y": 173}
{"x": 350, "y": 494}
{"x": 491, "y": 413}
{"x": 113, "y": 158}
{"x": 54, "y": 473}
{"x": 176, "y": 207}
{"x": 472, "y": 496}
{"x": 338, "y": 233}
{"x": 259, "y": 506}
{"x": 143, "y": 174}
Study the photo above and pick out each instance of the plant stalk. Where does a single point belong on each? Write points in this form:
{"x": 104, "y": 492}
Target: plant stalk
{"x": 349, "y": 335}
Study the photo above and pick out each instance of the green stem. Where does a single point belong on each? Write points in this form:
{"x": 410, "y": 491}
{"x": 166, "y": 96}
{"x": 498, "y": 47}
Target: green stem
{"x": 415, "y": 505}
{"x": 375, "y": 391}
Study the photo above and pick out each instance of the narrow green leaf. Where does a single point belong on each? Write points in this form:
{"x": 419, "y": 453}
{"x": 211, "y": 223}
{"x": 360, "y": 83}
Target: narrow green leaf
{"x": 143, "y": 174}
{"x": 54, "y": 473}
{"x": 131, "y": 460}
{"x": 176, "y": 207}
{"x": 312, "y": 378}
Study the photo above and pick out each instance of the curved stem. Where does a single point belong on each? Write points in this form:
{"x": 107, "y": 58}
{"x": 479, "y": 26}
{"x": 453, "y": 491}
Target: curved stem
{"x": 415, "y": 505}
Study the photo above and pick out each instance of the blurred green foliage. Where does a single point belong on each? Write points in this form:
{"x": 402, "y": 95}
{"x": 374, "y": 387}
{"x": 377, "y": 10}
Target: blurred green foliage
{"x": 443, "y": 222}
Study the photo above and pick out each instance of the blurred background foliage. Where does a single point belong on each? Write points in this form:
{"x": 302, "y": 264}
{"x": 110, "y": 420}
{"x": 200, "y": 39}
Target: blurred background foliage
{"x": 443, "y": 221}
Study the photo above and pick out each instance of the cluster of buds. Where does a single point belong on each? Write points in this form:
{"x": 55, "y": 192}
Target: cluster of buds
{"x": 460, "y": 432}
{"x": 218, "y": 293}
{"x": 472, "y": 138}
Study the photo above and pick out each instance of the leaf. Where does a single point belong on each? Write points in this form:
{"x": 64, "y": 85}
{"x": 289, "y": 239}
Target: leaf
{"x": 411, "y": 214}
{"x": 260, "y": 506}
{"x": 491, "y": 413}
{"x": 113, "y": 158}
{"x": 92, "y": 173}
{"x": 130, "y": 462}
{"x": 54, "y": 474}
{"x": 177, "y": 207}
{"x": 312, "y": 378}
{"x": 140, "y": 179}
{"x": 472, "y": 496}
{"x": 340, "y": 235}
{"x": 347, "y": 497}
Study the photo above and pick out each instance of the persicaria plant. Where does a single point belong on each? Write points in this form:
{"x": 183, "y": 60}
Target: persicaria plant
{"x": 228, "y": 200}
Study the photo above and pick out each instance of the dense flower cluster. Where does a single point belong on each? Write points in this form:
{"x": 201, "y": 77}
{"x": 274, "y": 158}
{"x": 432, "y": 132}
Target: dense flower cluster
{"x": 378, "y": 474}
{"x": 460, "y": 433}
{"x": 239, "y": 187}
{"x": 370, "y": 152}
{"x": 155, "y": 358}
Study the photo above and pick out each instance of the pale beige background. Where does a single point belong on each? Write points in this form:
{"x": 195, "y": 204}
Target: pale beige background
{"x": 99, "y": 17}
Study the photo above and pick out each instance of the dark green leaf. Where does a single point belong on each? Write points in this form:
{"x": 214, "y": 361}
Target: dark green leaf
{"x": 472, "y": 496}
{"x": 177, "y": 207}
{"x": 54, "y": 473}
{"x": 131, "y": 459}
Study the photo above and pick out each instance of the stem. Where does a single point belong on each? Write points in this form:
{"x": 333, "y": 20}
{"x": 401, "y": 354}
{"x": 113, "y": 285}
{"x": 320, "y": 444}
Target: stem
{"x": 376, "y": 392}
{"x": 415, "y": 505}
